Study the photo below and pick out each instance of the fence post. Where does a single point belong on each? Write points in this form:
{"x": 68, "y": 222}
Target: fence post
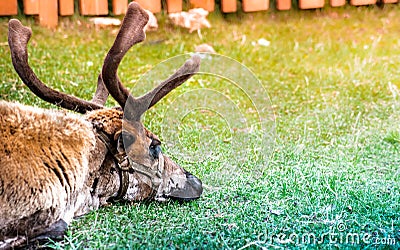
{"x": 93, "y": 7}
{"x": 255, "y": 5}
{"x": 151, "y": 5}
{"x": 31, "y": 7}
{"x": 337, "y": 3}
{"x": 362, "y": 2}
{"x": 8, "y": 8}
{"x": 283, "y": 4}
{"x": 48, "y": 13}
{"x": 208, "y": 5}
{"x": 174, "y": 6}
{"x": 311, "y": 4}
{"x": 228, "y": 6}
{"x": 66, "y": 7}
{"x": 119, "y": 6}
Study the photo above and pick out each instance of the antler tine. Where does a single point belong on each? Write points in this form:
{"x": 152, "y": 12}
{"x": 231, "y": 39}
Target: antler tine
{"x": 18, "y": 38}
{"x": 186, "y": 71}
{"x": 101, "y": 95}
{"x": 143, "y": 103}
{"x": 130, "y": 33}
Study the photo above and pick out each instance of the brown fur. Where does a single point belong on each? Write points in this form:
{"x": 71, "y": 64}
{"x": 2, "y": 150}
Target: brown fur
{"x": 49, "y": 162}
{"x": 54, "y": 167}
{"x": 43, "y": 154}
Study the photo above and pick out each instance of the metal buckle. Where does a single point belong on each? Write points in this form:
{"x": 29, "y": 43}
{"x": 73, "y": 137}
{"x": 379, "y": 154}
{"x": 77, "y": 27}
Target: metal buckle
{"x": 123, "y": 161}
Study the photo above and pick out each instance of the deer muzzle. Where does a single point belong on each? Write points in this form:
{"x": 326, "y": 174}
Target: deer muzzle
{"x": 192, "y": 189}
{"x": 180, "y": 185}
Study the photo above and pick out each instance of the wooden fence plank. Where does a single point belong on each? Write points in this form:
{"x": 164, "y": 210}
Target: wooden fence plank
{"x": 151, "y": 5}
{"x": 31, "y": 7}
{"x": 311, "y": 4}
{"x": 119, "y": 7}
{"x": 48, "y": 13}
{"x": 174, "y": 6}
{"x": 362, "y": 2}
{"x": 93, "y": 7}
{"x": 283, "y": 4}
{"x": 228, "y": 6}
{"x": 255, "y": 5}
{"x": 66, "y": 7}
{"x": 337, "y": 3}
{"x": 8, "y": 8}
{"x": 208, "y": 5}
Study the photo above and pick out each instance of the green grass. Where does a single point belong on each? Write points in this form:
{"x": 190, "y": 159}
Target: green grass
{"x": 334, "y": 171}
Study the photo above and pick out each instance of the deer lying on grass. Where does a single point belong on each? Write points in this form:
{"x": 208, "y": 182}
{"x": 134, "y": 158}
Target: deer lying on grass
{"x": 56, "y": 165}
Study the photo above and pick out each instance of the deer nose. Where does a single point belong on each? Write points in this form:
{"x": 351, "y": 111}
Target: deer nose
{"x": 192, "y": 189}
{"x": 155, "y": 151}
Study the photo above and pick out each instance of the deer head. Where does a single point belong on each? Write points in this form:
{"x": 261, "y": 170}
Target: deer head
{"x": 135, "y": 151}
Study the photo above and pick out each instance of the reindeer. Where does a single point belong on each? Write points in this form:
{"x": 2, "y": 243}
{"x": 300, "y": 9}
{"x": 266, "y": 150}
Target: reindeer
{"x": 56, "y": 165}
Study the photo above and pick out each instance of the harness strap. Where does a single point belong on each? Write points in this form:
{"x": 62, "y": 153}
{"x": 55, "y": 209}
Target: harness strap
{"x": 155, "y": 176}
{"x": 122, "y": 161}
{"x": 124, "y": 165}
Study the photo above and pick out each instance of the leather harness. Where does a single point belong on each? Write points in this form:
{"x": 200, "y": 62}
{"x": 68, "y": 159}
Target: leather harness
{"x": 126, "y": 165}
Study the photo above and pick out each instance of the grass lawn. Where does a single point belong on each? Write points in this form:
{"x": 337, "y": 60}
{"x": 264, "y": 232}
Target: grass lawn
{"x": 329, "y": 178}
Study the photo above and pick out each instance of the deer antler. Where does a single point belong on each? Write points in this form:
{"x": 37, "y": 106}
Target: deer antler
{"x": 18, "y": 38}
{"x": 131, "y": 33}
{"x": 187, "y": 70}
{"x": 101, "y": 95}
{"x": 143, "y": 103}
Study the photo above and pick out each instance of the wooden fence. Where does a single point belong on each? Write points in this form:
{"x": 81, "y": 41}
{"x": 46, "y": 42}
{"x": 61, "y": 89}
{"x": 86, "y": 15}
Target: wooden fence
{"x": 49, "y": 10}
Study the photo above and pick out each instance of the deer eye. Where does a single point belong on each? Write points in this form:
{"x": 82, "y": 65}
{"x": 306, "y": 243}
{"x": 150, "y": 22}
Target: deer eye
{"x": 155, "y": 148}
{"x": 129, "y": 139}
